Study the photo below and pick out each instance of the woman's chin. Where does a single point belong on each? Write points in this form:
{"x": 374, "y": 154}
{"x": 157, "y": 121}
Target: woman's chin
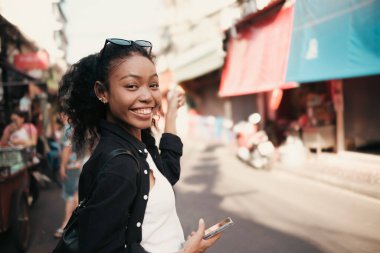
{"x": 144, "y": 124}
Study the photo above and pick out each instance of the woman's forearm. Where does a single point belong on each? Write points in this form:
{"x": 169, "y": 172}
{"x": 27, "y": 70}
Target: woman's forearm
{"x": 170, "y": 123}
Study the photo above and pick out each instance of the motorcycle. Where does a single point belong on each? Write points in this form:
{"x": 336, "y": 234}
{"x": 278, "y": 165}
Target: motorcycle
{"x": 254, "y": 146}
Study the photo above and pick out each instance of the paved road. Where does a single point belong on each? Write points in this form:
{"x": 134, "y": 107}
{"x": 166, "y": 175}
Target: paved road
{"x": 274, "y": 211}
{"x": 45, "y": 216}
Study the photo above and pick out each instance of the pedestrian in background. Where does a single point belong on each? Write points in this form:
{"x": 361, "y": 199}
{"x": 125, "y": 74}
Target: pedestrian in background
{"x": 20, "y": 132}
{"x": 69, "y": 170}
{"x": 25, "y": 103}
{"x": 53, "y": 154}
{"x": 112, "y": 100}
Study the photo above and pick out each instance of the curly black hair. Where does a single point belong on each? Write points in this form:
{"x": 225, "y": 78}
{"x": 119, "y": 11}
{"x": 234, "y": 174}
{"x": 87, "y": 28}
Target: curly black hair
{"x": 76, "y": 95}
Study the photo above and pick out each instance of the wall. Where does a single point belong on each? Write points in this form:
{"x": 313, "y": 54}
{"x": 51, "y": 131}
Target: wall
{"x": 203, "y": 92}
{"x": 362, "y": 111}
{"x": 208, "y": 118}
{"x": 242, "y": 107}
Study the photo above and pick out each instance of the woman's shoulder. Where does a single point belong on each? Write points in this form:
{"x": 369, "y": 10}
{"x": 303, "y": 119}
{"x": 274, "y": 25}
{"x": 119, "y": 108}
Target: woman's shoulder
{"x": 29, "y": 127}
{"x": 109, "y": 145}
{"x": 114, "y": 159}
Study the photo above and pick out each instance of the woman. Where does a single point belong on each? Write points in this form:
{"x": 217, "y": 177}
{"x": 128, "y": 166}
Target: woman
{"x": 112, "y": 99}
{"x": 19, "y": 133}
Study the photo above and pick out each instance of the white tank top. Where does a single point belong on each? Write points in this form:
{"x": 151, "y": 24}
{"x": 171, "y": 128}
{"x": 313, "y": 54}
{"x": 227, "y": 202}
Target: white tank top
{"x": 20, "y": 134}
{"x": 161, "y": 230}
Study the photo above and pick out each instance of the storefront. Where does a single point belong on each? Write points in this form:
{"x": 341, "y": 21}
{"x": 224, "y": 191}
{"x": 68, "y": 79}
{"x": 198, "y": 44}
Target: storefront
{"x": 14, "y": 82}
{"x": 308, "y": 110}
{"x": 208, "y": 113}
{"x": 257, "y": 54}
{"x": 333, "y": 45}
{"x": 330, "y": 51}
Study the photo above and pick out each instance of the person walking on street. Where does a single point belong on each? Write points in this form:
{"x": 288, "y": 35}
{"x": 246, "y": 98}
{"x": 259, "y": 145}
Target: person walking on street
{"x": 69, "y": 170}
{"x": 112, "y": 100}
{"x": 25, "y": 103}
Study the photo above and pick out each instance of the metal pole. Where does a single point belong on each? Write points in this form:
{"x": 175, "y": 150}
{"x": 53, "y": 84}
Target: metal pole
{"x": 4, "y": 110}
{"x": 337, "y": 86}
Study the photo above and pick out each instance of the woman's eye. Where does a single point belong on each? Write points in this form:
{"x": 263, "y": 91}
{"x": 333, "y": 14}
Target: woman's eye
{"x": 131, "y": 86}
{"x": 155, "y": 85}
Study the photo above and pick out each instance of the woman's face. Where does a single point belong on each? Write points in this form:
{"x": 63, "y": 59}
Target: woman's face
{"x": 18, "y": 120}
{"x": 133, "y": 96}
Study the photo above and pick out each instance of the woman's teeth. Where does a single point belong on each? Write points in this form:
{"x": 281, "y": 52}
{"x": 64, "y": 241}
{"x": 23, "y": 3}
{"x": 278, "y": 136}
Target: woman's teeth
{"x": 143, "y": 111}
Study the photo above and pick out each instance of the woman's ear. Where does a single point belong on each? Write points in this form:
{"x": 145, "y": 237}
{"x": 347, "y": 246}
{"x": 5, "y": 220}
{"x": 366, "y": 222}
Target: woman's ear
{"x": 101, "y": 92}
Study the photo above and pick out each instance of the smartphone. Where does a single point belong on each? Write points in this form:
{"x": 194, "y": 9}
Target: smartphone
{"x": 217, "y": 228}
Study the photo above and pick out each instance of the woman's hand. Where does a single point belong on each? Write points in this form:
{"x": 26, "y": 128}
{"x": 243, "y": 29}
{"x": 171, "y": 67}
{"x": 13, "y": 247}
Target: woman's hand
{"x": 195, "y": 242}
{"x": 62, "y": 173}
{"x": 12, "y": 127}
{"x": 176, "y": 99}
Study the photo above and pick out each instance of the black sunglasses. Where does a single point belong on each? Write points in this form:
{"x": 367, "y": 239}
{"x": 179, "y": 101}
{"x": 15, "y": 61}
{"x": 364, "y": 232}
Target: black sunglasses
{"x": 122, "y": 42}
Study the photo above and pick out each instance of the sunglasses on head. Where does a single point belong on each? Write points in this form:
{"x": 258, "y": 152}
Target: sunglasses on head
{"x": 122, "y": 42}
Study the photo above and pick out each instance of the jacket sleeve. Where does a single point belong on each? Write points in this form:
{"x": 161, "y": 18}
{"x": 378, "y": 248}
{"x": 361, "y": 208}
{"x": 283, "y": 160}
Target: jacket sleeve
{"x": 171, "y": 151}
{"x": 102, "y": 223}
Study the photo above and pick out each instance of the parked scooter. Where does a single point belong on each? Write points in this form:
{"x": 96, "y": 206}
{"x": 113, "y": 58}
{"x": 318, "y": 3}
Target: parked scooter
{"x": 254, "y": 146}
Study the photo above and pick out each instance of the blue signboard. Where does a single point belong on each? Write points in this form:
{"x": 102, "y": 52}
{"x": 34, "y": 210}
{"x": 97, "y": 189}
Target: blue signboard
{"x": 334, "y": 39}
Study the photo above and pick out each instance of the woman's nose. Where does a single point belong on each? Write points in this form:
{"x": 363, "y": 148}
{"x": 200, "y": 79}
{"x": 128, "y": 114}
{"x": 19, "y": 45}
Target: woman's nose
{"x": 145, "y": 95}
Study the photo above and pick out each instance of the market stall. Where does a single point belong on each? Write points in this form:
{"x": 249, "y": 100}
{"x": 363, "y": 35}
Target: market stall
{"x": 14, "y": 191}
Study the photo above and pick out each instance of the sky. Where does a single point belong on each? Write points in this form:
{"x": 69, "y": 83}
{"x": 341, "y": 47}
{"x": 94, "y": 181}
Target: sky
{"x": 90, "y": 22}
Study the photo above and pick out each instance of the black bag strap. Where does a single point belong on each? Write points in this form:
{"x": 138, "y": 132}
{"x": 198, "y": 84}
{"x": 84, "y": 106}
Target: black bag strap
{"x": 109, "y": 157}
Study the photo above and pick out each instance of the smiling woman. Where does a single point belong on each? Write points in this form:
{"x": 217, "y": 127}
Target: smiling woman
{"x": 134, "y": 96}
{"x": 111, "y": 100}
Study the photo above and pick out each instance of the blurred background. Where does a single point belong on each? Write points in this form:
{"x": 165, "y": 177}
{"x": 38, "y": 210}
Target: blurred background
{"x": 281, "y": 122}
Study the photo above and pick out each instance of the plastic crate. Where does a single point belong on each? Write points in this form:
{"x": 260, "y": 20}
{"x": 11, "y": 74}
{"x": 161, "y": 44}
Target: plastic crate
{"x": 12, "y": 160}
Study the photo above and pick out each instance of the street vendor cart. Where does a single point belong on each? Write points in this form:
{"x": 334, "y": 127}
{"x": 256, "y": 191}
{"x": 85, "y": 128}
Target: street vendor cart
{"x": 14, "y": 190}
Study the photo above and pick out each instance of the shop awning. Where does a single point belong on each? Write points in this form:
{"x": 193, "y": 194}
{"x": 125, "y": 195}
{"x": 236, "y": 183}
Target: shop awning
{"x": 8, "y": 66}
{"x": 334, "y": 39}
{"x": 257, "y": 57}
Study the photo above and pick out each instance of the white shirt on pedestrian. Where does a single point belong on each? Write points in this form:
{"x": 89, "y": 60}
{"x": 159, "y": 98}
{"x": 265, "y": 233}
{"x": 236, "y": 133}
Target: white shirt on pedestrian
{"x": 161, "y": 230}
{"x": 25, "y": 104}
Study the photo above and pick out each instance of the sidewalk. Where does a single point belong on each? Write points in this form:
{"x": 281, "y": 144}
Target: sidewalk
{"x": 357, "y": 173}
{"x": 351, "y": 171}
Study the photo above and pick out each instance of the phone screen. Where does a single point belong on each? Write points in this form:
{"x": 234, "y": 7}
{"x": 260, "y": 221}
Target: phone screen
{"x": 217, "y": 228}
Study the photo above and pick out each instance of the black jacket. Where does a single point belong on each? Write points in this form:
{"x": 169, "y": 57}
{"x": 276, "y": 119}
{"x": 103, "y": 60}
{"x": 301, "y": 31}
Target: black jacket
{"x": 112, "y": 219}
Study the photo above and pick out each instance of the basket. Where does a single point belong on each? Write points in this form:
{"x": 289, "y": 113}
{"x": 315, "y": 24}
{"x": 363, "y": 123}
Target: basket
{"x": 12, "y": 160}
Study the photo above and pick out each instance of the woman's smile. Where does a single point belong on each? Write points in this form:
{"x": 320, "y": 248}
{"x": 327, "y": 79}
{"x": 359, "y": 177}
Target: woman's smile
{"x": 145, "y": 113}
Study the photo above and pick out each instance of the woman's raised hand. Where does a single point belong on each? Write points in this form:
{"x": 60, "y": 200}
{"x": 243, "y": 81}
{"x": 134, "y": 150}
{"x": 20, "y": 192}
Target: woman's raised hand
{"x": 176, "y": 99}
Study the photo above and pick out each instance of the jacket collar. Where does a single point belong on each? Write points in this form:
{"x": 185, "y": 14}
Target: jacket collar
{"x": 108, "y": 128}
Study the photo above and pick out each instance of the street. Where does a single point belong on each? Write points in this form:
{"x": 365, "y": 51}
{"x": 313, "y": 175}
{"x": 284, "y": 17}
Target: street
{"x": 273, "y": 211}
{"x": 45, "y": 217}
{"x": 289, "y": 86}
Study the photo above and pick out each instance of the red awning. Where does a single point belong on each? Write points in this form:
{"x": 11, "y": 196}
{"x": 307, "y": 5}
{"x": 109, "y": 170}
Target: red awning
{"x": 257, "y": 58}
{"x": 32, "y": 60}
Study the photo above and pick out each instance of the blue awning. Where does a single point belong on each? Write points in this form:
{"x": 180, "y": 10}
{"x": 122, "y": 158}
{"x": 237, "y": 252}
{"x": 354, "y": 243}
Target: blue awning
{"x": 334, "y": 39}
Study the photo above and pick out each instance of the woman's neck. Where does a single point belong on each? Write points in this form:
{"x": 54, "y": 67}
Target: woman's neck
{"x": 135, "y": 132}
